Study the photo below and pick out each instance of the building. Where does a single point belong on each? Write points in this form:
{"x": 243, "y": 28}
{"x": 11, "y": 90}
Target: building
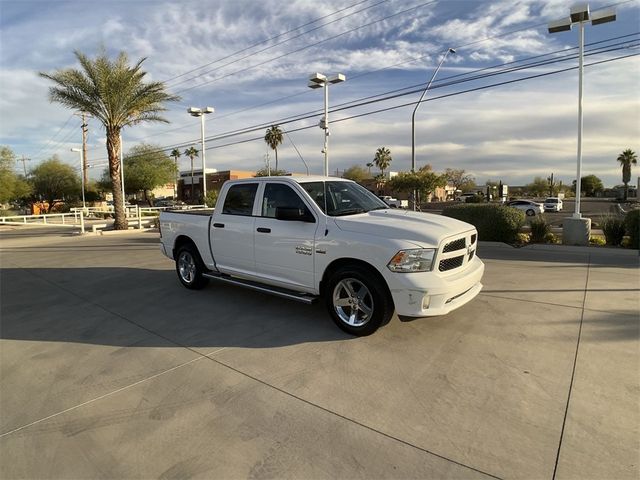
{"x": 215, "y": 180}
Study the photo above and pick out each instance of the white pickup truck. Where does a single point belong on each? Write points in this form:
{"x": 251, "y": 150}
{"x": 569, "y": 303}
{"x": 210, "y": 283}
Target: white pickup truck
{"x": 305, "y": 238}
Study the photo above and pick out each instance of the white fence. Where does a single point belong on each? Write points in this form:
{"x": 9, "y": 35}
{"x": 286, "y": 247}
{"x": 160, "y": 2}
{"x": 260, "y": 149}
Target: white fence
{"x": 136, "y": 215}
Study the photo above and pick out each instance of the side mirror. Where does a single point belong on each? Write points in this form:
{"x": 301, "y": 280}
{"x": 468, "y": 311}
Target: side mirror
{"x": 294, "y": 214}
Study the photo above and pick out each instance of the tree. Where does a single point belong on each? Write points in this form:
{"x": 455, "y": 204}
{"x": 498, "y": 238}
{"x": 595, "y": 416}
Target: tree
{"x": 590, "y": 185}
{"x": 273, "y": 138}
{"x": 539, "y": 187}
{"x": 175, "y": 153}
{"x": 192, "y": 152}
{"x": 424, "y": 181}
{"x": 356, "y": 173}
{"x": 116, "y": 94}
{"x": 626, "y": 159}
{"x": 12, "y": 186}
{"x": 264, "y": 172}
{"x": 147, "y": 167}
{"x": 369, "y": 165}
{"x": 54, "y": 180}
{"x": 459, "y": 179}
{"x": 382, "y": 159}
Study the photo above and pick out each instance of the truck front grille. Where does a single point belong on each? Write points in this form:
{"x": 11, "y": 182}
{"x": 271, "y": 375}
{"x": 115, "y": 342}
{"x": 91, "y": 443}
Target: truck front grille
{"x": 458, "y": 244}
{"x": 457, "y": 252}
{"x": 450, "y": 263}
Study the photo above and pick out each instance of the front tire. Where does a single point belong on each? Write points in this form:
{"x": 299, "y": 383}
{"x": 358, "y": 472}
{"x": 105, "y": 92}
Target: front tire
{"x": 358, "y": 302}
{"x": 189, "y": 267}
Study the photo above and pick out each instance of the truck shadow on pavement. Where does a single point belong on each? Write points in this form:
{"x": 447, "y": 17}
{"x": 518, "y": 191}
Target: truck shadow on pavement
{"x": 140, "y": 307}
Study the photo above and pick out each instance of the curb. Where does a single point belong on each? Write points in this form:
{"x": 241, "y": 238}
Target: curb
{"x": 558, "y": 248}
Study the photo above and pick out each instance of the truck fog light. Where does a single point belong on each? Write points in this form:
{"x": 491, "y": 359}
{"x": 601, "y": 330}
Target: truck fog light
{"x": 425, "y": 302}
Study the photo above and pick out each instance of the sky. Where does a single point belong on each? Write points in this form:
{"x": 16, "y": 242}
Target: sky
{"x": 250, "y": 60}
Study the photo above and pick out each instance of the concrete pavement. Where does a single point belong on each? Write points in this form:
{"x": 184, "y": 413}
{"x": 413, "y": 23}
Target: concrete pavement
{"x": 109, "y": 368}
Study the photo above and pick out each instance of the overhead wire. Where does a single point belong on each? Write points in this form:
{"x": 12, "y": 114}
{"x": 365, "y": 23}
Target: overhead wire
{"x": 273, "y": 45}
{"x": 351, "y": 105}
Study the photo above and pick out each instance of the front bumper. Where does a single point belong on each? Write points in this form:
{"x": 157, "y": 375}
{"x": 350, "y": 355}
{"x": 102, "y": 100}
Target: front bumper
{"x": 428, "y": 294}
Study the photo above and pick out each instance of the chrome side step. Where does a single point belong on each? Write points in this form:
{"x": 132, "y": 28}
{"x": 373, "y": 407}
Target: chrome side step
{"x": 258, "y": 287}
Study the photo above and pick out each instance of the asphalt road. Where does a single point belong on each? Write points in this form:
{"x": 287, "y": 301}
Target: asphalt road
{"x": 110, "y": 369}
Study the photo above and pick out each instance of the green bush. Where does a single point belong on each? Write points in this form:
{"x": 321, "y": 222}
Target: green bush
{"x": 211, "y": 198}
{"x": 597, "y": 241}
{"x": 494, "y": 222}
{"x": 613, "y": 229}
{"x": 540, "y": 229}
{"x": 632, "y": 225}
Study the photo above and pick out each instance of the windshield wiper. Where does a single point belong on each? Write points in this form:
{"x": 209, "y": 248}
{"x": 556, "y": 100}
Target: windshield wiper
{"x": 349, "y": 211}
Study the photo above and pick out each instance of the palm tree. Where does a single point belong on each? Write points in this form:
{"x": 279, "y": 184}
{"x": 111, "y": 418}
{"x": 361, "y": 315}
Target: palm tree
{"x": 175, "y": 153}
{"x": 273, "y": 138}
{"x": 369, "y": 165}
{"x": 117, "y": 95}
{"x": 626, "y": 159}
{"x": 382, "y": 159}
{"x": 191, "y": 152}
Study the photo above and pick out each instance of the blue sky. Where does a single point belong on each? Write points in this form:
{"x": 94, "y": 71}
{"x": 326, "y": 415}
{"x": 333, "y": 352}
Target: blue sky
{"x": 510, "y": 132}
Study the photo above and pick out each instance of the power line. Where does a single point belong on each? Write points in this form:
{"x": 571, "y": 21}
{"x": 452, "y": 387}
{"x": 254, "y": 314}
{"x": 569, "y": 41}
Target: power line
{"x": 272, "y": 46}
{"x": 368, "y": 102}
{"x": 310, "y": 45}
{"x": 270, "y": 39}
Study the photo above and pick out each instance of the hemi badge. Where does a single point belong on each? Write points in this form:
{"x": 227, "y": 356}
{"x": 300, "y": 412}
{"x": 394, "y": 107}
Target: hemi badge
{"x": 321, "y": 251}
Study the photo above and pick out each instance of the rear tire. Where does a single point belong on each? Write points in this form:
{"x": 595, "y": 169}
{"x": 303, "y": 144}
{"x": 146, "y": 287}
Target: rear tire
{"x": 189, "y": 267}
{"x": 357, "y": 300}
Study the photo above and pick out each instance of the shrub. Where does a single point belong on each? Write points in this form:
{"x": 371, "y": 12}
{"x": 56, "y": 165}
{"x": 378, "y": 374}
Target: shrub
{"x": 211, "y": 198}
{"x": 540, "y": 229}
{"x": 632, "y": 225}
{"x": 597, "y": 241}
{"x": 613, "y": 229}
{"x": 493, "y": 222}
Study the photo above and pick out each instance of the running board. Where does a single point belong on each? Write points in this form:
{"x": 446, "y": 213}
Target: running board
{"x": 258, "y": 287}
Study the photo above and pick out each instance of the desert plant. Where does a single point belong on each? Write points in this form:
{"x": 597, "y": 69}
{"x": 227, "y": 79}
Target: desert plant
{"x": 493, "y": 222}
{"x": 211, "y": 198}
{"x": 540, "y": 229}
{"x": 597, "y": 241}
{"x": 613, "y": 229}
{"x": 632, "y": 225}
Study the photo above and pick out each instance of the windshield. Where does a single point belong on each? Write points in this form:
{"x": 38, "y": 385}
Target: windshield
{"x": 342, "y": 198}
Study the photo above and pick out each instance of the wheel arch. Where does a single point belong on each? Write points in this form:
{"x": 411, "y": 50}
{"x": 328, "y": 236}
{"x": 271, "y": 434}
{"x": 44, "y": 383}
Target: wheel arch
{"x": 346, "y": 261}
{"x": 182, "y": 240}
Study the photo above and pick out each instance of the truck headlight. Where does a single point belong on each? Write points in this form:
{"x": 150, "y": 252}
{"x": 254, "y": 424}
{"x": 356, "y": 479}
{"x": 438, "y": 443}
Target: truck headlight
{"x": 414, "y": 260}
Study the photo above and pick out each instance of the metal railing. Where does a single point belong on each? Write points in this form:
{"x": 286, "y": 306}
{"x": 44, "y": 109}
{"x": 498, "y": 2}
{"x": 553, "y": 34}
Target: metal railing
{"x": 48, "y": 219}
{"x": 136, "y": 215}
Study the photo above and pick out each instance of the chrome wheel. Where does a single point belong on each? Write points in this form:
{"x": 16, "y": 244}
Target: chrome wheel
{"x": 187, "y": 267}
{"x": 352, "y": 302}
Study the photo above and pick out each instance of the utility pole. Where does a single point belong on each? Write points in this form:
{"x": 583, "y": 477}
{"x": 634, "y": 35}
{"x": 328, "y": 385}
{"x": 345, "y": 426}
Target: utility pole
{"x": 85, "y": 128}
{"x": 24, "y": 166}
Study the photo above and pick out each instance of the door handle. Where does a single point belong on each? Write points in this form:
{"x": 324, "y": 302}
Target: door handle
{"x": 218, "y": 225}
{"x": 264, "y": 230}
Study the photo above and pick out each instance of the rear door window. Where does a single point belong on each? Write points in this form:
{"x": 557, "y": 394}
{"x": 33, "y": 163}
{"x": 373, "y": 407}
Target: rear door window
{"x": 240, "y": 199}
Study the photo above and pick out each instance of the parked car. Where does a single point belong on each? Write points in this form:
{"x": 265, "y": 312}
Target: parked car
{"x": 319, "y": 238}
{"x": 529, "y": 207}
{"x": 394, "y": 202}
{"x": 468, "y": 197}
{"x": 553, "y": 204}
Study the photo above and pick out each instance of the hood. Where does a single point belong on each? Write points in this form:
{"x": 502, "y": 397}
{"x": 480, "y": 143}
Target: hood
{"x": 423, "y": 229}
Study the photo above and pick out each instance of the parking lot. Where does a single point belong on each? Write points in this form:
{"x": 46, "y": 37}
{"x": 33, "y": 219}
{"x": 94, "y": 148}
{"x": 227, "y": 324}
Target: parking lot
{"x": 110, "y": 369}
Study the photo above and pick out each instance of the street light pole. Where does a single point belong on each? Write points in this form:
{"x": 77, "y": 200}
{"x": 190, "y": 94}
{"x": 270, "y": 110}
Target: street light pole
{"x": 201, "y": 112}
{"x": 577, "y": 231}
{"x": 84, "y": 206}
{"x": 413, "y": 117}
{"x": 319, "y": 80}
